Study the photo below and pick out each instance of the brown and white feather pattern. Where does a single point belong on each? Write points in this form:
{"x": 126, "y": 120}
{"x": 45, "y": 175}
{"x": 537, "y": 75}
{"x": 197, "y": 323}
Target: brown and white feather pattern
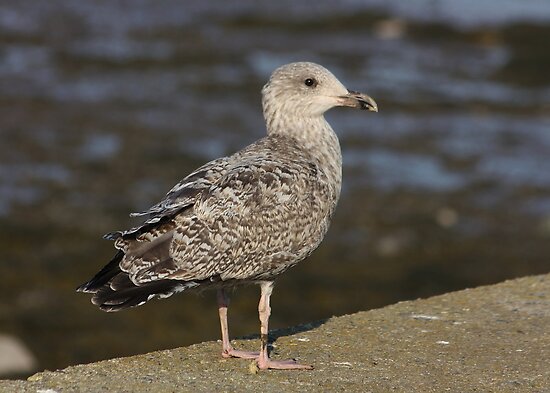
{"x": 248, "y": 225}
{"x": 243, "y": 218}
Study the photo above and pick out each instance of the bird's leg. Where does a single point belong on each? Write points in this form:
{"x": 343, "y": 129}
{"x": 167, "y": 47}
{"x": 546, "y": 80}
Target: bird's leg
{"x": 264, "y": 310}
{"x": 227, "y": 349}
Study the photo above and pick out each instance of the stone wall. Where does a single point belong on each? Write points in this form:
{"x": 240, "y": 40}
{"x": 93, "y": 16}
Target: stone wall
{"x": 488, "y": 339}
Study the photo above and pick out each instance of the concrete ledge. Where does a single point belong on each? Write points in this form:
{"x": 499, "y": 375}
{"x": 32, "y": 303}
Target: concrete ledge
{"x": 487, "y": 339}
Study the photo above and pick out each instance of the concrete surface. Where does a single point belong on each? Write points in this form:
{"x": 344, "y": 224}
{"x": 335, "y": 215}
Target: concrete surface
{"x": 487, "y": 339}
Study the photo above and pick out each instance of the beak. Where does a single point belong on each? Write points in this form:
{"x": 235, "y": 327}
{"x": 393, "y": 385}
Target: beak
{"x": 358, "y": 100}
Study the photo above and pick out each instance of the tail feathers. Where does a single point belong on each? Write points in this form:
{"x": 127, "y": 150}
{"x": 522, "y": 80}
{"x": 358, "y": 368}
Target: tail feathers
{"x": 123, "y": 293}
{"x": 114, "y": 291}
{"x": 104, "y": 275}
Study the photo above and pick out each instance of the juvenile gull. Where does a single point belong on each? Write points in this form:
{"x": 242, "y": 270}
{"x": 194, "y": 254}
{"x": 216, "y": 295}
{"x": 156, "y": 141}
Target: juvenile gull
{"x": 241, "y": 219}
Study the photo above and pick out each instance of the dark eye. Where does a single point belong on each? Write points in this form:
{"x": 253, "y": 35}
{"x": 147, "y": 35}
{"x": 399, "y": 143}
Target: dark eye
{"x": 310, "y": 82}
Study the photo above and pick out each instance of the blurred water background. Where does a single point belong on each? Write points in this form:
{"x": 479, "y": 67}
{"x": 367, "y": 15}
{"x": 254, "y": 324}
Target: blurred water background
{"x": 106, "y": 104}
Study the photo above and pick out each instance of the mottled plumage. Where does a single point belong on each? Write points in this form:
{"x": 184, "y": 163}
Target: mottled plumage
{"x": 245, "y": 218}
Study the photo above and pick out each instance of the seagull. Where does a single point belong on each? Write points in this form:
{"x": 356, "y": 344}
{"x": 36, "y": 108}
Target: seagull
{"x": 241, "y": 219}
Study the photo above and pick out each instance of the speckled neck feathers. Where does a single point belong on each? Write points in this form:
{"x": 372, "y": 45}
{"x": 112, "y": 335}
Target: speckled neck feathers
{"x": 288, "y": 114}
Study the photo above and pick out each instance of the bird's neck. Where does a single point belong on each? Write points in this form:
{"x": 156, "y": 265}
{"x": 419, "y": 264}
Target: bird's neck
{"x": 315, "y": 136}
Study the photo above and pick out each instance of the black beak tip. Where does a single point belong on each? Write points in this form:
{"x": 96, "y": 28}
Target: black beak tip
{"x": 364, "y": 102}
{"x": 366, "y": 106}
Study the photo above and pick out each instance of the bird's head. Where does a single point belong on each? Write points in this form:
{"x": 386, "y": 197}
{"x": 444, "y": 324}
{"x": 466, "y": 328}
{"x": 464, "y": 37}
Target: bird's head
{"x": 308, "y": 90}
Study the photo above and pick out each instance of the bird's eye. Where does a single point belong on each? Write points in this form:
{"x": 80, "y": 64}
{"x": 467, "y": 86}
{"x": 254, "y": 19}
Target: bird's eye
{"x": 309, "y": 82}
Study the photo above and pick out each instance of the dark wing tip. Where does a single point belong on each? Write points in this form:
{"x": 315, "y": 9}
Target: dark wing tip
{"x": 103, "y": 276}
{"x": 112, "y": 235}
{"x": 84, "y": 288}
{"x": 128, "y": 295}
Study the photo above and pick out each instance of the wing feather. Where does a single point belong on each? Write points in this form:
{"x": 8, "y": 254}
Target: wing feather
{"x": 181, "y": 196}
{"x": 249, "y": 216}
{"x": 252, "y": 222}
{"x": 184, "y": 192}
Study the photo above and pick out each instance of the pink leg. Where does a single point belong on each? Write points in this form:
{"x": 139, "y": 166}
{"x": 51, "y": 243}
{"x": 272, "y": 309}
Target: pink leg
{"x": 264, "y": 362}
{"x": 227, "y": 349}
